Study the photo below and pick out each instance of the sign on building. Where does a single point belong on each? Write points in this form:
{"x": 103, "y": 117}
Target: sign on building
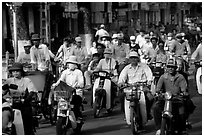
{"x": 70, "y": 6}
{"x": 134, "y": 5}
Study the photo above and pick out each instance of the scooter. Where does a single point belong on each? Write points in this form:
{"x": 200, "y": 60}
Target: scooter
{"x": 63, "y": 112}
{"x": 12, "y": 100}
{"x": 101, "y": 92}
{"x": 199, "y": 76}
{"x": 135, "y": 106}
{"x": 170, "y": 117}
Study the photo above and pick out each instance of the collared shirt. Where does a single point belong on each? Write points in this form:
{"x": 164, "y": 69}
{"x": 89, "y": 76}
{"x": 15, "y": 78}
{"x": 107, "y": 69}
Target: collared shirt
{"x": 151, "y": 52}
{"x": 73, "y": 78}
{"x": 80, "y": 53}
{"x": 120, "y": 52}
{"x": 140, "y": 73}
{"x": 39, "y": 56}
{"x": 65, "y": 50}
{"x": 176, "y": 84}
{"x": 24, "y": 58}
{"x": 145, "y": 46}
{"x": 107, "y": 66}
{"x": 197, "y": 54}
{"x": 140, "y": 40}
{"x": 181, "y": 48}
{"x": 23, "y": 84}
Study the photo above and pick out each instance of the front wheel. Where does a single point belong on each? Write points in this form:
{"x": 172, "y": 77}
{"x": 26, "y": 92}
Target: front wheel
{"x": 61, "y": 126}
{"x": 133, "y": 119}
{"x": 53, "y": 114}
{"x": 164, "y": 126}
{"x": 96, "y": 107}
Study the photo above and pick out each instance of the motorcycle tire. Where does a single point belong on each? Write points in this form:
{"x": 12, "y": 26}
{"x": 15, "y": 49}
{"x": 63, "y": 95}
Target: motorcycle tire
{"x": 53, "y": 114}
{"x": 95, "y": 108}
{"x": 134, "y": 124}
{"x": 61, "y": 126}
{"x": 164, "y": 126}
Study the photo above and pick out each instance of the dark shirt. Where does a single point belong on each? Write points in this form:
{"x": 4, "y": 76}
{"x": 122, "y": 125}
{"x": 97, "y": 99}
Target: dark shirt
{"x": 176, "y": 84}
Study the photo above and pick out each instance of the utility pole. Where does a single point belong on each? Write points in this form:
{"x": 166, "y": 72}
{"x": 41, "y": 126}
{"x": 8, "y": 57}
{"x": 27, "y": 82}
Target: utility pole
{"x": 13, "y": 7}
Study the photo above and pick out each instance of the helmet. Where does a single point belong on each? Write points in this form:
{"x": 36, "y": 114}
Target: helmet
{"x": 171, "y": 62}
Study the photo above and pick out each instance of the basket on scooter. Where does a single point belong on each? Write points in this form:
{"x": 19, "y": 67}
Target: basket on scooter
{"x": 62, "y": 94}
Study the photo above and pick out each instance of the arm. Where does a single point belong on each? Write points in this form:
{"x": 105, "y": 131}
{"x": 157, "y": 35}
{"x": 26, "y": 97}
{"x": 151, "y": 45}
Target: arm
{"x": 123, "y": 76}
{"x": 99, "y": 66}
{"x": 183, "y": 84}
{"x": 80, "y": 77}
{"x": 59, "y": 51}
{"x": 160, "y": 84}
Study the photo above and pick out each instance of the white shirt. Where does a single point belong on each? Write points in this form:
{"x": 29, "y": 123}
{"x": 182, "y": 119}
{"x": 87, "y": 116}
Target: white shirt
{"x": 145, "y": 46}
{"x": 73, "y": 78}
{"x": 140, "y": 40}
{"x": 100, "y": 33}
{"x": 39, "y": 56}
{"x": 24, "y": 58}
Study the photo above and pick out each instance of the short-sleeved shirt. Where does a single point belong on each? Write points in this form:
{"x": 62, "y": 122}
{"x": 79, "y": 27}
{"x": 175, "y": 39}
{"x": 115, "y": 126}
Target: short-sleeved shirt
{"x": 39, "y": 56}
{"x": 120, "y": 52}
{"x": 24, "y": 58}
{"x": 151, "y": 52}
{"x": 81, "y": 53}
{"x": 145, "y": 46}
{"x": 23, "y": 84}
{"x": 181, "y": 48}
{"x": 107, "y": 66}
{"x": 140, "y": 40}
{"x": 140, "y": 73}
{"x": 175, "y": 85}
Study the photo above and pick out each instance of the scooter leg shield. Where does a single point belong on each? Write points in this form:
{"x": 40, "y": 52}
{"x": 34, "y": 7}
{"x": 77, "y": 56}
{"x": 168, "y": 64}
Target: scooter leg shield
{"x": 18, "y": 122}
{"x": 143, "y": 108}
{"x": 127, "y": 111}
{"x": 72, "y": 119}
{"x": 198, "y": 80}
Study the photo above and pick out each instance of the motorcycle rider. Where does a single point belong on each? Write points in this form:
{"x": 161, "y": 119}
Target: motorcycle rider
{"x": 137, "y": 72}
{"x": 24, "y": 57}
{"x": 73, "y": 77}
{"x": 25, "y": 86}
{"x": 109, "y": 64}
{"x": 175, "y": 83}
{"x": 134, "y": 46}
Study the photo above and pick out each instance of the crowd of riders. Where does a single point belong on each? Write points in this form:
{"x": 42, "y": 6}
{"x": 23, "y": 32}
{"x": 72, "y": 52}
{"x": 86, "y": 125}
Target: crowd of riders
{"x": 126, "y": 58}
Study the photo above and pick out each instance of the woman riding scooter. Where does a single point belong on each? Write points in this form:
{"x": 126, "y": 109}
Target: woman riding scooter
{"x": 73, "y": 77}
{"x": 26, "y": 87}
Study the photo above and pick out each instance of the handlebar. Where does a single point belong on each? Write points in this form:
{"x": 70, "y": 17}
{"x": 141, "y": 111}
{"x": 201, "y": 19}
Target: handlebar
{"x": 136, "y": 84}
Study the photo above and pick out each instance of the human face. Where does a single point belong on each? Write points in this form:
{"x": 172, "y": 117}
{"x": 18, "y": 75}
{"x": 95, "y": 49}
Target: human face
{"x": 154, "y": 42}
{"x": 78, "y": 43}
{"x": 71, "y": 66}
{"x": 17, "y": 74}
{"x": 107, "y": 56}
{"x": 171, "y": 70}
{"x": 161, "y": 46}
{"x": 134, "y": 61}
{"x": 36, "y": 43}
{"x": 100, "y": 49}
{"x": 27, "y": 49}
{"x": 115, "y": 41}
{"x": 147, "y": 39}
{"x": 66, "y": 43}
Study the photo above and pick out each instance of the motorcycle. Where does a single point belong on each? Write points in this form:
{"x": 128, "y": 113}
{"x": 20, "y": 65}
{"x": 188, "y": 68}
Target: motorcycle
{"x": 63, "y": 113}
{"x": 199, "y": 76}
{"x": 13, "y": 99}
{"x": 101, "y": 92}
{"x": 135, "y": 106}
{"x": 170, "y": 117}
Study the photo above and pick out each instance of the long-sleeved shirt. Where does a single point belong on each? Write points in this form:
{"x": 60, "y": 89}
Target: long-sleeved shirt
{"x": 176, "y": 84}
{"x": 120, "y": 52}
{"x": 140, "y": 73}
{"x": 197, "y": 54}
{"x": 73, "y": 78}
{"x": 180, "y": 48}
{"x": 40, "y": 56}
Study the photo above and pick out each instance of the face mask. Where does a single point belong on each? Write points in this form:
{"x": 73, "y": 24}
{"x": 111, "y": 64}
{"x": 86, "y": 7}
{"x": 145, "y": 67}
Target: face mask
{"x": 169, "y": 38}
{"x": 71, "y": 66}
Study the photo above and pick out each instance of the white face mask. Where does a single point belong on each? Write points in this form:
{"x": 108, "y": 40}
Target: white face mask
{"x": 71, "y": 66}
{"x": 169, "y": 38}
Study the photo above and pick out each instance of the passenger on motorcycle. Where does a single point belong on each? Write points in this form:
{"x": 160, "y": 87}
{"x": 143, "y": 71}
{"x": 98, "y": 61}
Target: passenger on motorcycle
{"x": 175, "y": 83}
{"x": 73, "y": 77}
{"x": 64, "y": 50}
{"x": 137, "y": 72}
{"x": 109, "y": 64}
{"x": 120, "y": 52}
{"x": 26, "y": 87}
{"x": 24, "y": 57}
{"x": 169, "y": 42}
{"x": 91, "y": 67}
{"x": 160, "y": 54}
{"x": 134, "y": 46}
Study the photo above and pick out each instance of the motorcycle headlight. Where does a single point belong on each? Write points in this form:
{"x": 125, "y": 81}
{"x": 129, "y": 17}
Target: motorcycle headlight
{"x": 168, "y": 95}
{"x": 62, "y": 105}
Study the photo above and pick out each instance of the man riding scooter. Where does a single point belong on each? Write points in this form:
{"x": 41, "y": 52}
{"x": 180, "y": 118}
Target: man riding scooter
{"x": 137, "y": 72}
{"x": 175, "y": 83}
